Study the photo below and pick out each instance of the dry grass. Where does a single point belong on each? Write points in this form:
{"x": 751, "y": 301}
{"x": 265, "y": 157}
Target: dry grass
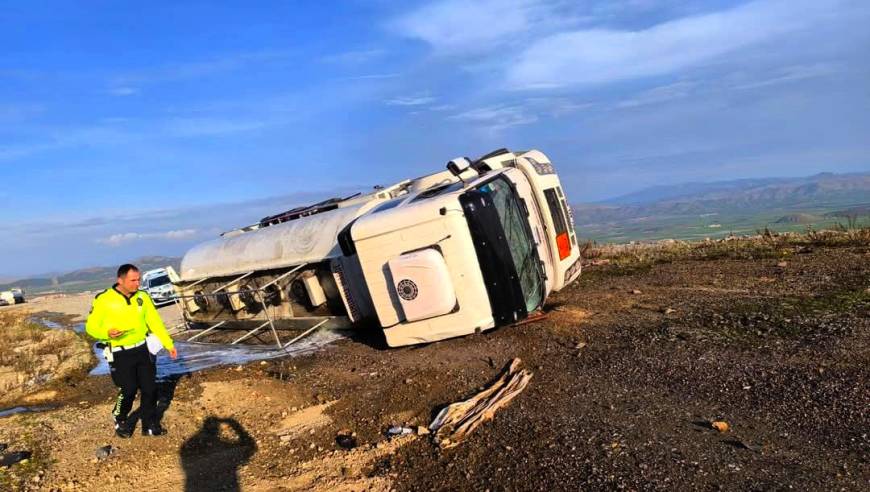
{"x": 766, "y": 244}
{"x": 16, "y": 331}
{"x": 33, "y": 354}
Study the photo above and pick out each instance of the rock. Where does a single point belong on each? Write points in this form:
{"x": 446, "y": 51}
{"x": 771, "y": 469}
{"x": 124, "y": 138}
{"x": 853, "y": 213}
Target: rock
{"x": 670, "y": 310}
{"x": 782, "y": 264}
{"x": 345, "y": 439}
{"x": 720, "y": 425}
{"x": 636, "y": 292}
{"x": 422, "y": 430}
{"x": 740, "y": 444}
{"x": 105, "y": 451}
{"x": 409, "y": 381}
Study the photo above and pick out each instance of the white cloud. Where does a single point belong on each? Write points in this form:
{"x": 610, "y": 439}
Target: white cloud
{"x": 123, "y": 91}
{"x": 791, "y": 74}
{"x": 210, "y": 126}
{"x": 595, "y": 56}
{"x": 470, "y": 25}
{"x": 129, "y": 237}
{"x": 372, "y": 76}
{"x": 660, "y": 94}
{"x": 354, "y": 57}
{"x": 418, "y": 100}
{"x": 497, "y": 118}
{"x": 199, "y": 69}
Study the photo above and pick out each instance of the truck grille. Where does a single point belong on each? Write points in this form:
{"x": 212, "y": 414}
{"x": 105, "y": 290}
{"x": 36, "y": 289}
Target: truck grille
{"x": 346, "y": 296}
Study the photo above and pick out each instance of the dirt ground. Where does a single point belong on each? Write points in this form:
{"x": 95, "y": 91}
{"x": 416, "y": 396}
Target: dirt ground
{"x": 630, "y": 367}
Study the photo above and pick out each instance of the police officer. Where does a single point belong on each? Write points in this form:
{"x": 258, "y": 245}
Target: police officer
{"x": 121, "y": 317}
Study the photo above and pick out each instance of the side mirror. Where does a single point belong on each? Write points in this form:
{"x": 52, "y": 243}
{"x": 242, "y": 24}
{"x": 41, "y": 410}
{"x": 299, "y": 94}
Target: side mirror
{"x": 458, "y": 166}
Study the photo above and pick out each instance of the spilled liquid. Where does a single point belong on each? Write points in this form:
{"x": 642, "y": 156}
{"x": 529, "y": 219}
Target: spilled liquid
{"x": 194, "y": 356}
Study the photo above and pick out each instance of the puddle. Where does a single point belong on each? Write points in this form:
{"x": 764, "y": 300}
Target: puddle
{"x": 194, "y": 356}
{"x": 7, "y": 412}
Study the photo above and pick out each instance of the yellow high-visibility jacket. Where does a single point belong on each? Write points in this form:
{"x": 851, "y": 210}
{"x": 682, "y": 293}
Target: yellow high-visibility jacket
{"x": 134, "y": 315}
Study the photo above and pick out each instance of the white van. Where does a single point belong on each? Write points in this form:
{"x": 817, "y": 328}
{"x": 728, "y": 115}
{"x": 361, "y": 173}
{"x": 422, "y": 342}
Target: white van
{"x": 158, "y": 285}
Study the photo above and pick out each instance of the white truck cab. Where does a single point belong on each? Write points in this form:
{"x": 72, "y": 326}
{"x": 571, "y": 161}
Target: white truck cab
{"x": 474, "y": 247}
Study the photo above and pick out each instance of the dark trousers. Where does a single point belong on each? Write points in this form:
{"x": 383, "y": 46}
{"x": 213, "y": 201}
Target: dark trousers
{"x": 134, "y": 370}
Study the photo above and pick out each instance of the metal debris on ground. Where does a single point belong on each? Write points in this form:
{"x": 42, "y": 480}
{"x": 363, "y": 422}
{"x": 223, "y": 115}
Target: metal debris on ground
{"x": 397, "y": 430}
{"x": 458, "y": 420}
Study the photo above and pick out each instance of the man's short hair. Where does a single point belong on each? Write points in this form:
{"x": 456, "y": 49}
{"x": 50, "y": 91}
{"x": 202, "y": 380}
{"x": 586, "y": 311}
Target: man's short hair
{"x": 126, "y": 268}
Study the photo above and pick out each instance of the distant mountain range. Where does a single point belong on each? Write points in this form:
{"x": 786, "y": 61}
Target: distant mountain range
{"x": 685, "y": 210}
{"x": 93, "y": 278}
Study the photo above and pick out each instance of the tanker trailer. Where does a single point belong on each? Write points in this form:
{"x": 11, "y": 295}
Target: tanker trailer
{"x": 479, "y": 245}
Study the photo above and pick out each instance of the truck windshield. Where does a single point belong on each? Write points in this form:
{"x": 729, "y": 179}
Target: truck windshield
{"x": 158, "y": 281}
{"x": 519, "y": 240}
{"x": 505, "y": 249}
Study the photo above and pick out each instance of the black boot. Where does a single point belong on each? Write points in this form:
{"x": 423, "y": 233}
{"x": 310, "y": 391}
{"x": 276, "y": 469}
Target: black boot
{"x": 153, "y": 430}
{"x": 122, "y": 429}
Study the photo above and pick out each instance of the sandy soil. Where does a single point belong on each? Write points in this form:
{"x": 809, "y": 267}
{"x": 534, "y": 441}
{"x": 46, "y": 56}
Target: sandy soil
{"x": 630, "y": 367}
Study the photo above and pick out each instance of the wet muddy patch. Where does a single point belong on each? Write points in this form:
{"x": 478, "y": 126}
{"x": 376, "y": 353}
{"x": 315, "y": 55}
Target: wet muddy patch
{"x": 194, "y": 356}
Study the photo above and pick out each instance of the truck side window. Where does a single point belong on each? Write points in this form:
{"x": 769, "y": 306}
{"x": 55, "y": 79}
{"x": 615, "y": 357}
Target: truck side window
{"x": 560, "y": 223}
{"x": 556, "y": 211}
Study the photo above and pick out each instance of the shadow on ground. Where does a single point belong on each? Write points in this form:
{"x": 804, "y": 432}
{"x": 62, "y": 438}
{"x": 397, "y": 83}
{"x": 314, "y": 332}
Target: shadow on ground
{"x": 211, "y": 458}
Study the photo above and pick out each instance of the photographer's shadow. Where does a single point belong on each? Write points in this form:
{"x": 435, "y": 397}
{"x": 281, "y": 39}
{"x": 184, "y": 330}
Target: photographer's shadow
{"x": 212, "y": 457}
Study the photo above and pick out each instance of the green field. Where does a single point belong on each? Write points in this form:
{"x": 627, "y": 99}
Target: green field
{"x": 714, "y": 225}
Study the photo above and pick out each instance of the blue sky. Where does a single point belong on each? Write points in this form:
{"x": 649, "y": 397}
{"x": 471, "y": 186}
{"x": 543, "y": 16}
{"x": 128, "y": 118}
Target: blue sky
{"x": 130, "y": 128}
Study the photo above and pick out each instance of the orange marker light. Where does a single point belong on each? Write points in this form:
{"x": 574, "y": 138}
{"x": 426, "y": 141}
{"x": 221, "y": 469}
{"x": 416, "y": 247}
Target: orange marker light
{"x": 564, "y": 244}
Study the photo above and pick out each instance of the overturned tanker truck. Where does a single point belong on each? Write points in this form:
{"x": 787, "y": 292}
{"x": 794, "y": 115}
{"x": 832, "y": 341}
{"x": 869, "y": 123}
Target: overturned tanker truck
{"x": 479, "y": 245}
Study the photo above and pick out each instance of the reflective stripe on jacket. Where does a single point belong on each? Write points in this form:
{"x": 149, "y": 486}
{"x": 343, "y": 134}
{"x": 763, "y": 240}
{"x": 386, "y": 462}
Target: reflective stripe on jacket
{"x": 134, "y": 315}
